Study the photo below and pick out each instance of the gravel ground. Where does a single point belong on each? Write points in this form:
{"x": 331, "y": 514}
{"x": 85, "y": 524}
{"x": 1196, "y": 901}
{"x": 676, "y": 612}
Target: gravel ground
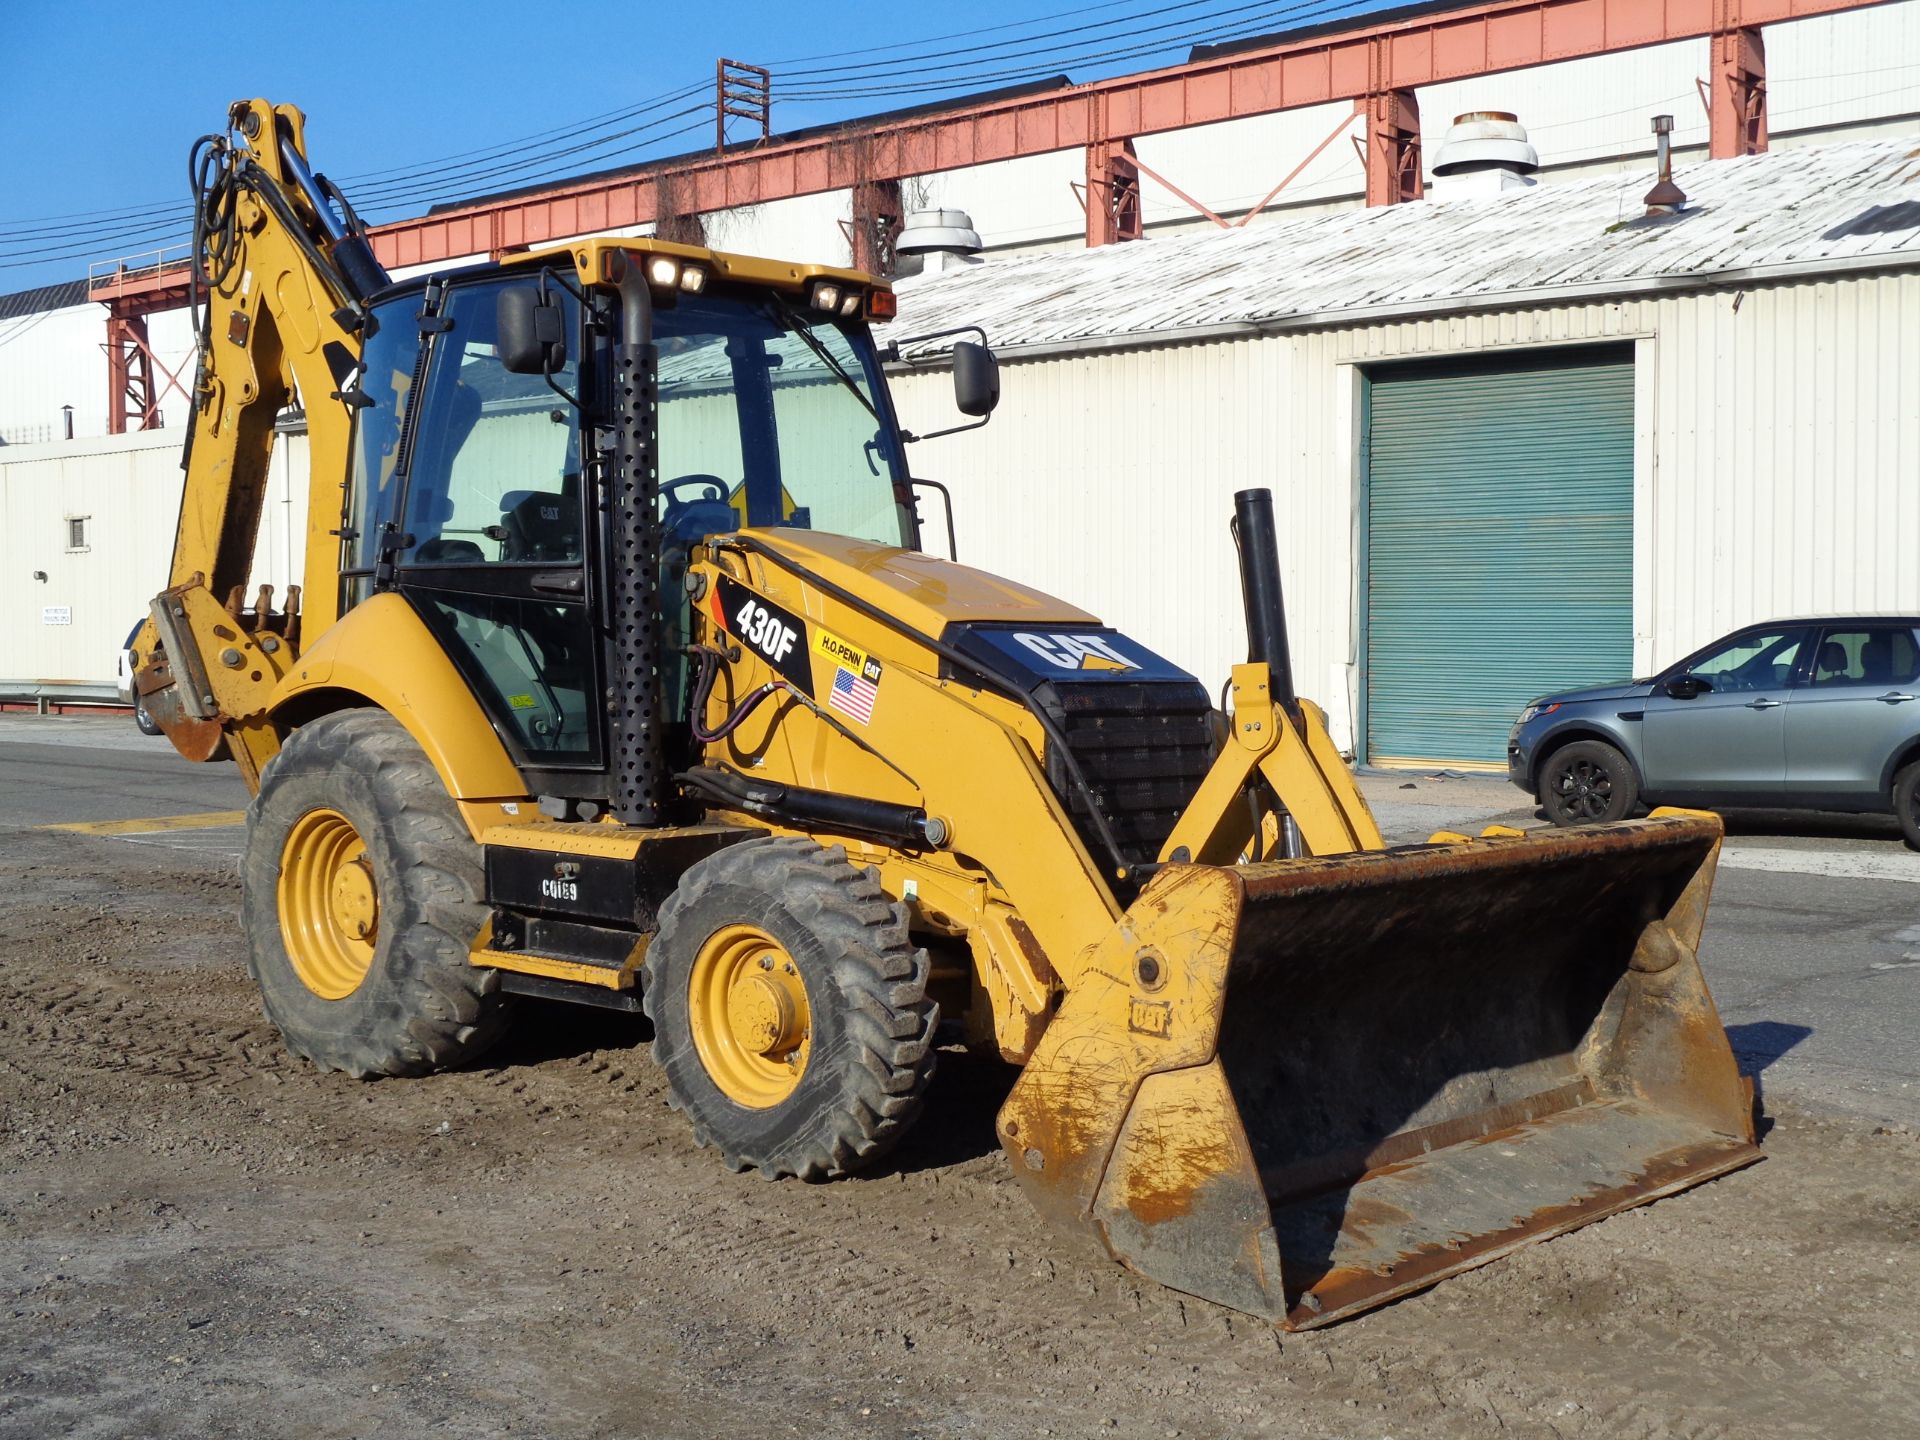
{"x": 200, "y": 1236}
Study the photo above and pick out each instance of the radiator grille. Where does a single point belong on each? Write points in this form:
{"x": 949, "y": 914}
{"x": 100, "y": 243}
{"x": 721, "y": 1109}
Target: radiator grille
{"x": 1144, "y": 750}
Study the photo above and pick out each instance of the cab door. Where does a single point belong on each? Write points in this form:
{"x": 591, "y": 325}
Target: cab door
{"x": 493, "y": 549}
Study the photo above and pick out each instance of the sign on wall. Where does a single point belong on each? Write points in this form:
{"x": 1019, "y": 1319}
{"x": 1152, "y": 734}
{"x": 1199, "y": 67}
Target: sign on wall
{"x": 56, "y": 614}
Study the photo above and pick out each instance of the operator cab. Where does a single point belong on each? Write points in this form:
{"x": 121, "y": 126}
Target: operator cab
{"x": 469, "y": 494}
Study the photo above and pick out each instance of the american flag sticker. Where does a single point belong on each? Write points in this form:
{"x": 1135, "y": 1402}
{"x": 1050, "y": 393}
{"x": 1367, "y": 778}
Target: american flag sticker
{"x": 853, "y": 694}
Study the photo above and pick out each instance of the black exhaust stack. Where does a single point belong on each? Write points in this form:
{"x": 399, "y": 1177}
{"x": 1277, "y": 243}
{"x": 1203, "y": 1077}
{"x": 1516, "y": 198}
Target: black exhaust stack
{"x": 1253, "y": 533}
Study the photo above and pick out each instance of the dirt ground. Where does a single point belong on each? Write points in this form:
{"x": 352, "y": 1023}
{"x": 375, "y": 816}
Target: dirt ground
{"x": 200, "y": 1236}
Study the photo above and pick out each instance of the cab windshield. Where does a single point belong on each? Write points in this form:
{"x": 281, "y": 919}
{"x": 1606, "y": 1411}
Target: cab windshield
{"x": 773, "y": 414}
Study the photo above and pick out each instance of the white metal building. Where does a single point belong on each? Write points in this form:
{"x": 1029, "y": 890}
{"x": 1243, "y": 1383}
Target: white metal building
{"x": 86, "y": 534}
{"x": 1517, "y": 443}
{"x": 1849, "y": 75}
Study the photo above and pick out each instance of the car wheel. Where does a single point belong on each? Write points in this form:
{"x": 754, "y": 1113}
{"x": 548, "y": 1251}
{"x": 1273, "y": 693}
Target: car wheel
{"x": 1588, "y": 783}
{"x": 148, "y": 725}
{"x": 1906, "y": 802}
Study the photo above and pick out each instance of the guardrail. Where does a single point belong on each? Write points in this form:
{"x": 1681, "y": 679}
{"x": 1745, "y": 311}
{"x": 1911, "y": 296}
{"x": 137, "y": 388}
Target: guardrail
{"x": 148, "y": 264}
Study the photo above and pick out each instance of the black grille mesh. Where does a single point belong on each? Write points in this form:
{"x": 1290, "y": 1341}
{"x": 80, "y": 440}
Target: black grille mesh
{"x": 1144, "y": 750}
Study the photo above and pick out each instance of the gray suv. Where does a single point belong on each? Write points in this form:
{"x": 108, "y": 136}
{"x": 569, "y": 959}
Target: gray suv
{"x": 1820, "y": 714}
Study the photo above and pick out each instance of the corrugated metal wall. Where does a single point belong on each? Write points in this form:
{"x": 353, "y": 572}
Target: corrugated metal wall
{"x": 1776, "y": 467}
{"x": 1776, "y": 470}
{"x": 128, "y": 488}
{"x": 1849, "y": 74}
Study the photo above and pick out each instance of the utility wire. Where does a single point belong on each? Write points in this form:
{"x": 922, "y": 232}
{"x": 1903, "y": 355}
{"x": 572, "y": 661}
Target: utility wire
{"x": 1049, "y": 61}
{"x": 1105, "y": 28}
{"x": 399, "y": 184}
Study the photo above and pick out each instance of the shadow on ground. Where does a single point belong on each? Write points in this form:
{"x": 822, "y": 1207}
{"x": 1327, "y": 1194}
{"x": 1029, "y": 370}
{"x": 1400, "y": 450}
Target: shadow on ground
{"x": 957, "y": 1124}
{"x": 1756, "y": 1045}
{"x": 1813, "y": 824}
{"x": 548, "y": 1030}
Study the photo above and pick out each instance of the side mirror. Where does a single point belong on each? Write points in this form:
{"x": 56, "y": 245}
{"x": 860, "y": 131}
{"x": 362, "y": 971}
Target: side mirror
{"x": 532, "y": 331}
{"x": 1688, "y": 687}
{"x": 976, "y": 378}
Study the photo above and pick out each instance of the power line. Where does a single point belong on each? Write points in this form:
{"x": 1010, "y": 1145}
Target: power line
{"x": 1046, "y": 61}
{"x": 956, "y": 35}
{"x": 431, "y": 171}
{"x": 441, "y": 186}
{"x": 918, "y": 57}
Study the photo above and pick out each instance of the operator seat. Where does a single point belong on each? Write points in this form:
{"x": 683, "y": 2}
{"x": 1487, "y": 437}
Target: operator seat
{"x": 439, "y": 551}
{"x": 539, "y": 525}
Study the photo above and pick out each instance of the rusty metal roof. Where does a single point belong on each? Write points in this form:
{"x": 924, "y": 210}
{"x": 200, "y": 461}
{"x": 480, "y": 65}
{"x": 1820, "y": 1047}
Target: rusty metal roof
{"x": 1787, "y": 213}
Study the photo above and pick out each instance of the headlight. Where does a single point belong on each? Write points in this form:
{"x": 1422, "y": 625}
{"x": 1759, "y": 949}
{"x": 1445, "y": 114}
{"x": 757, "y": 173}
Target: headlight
{"x": 693, "y": 279}
{"x": 826, "y": 296}
{"x": 1534, "y": 712}
{"x": 664, "y": 271}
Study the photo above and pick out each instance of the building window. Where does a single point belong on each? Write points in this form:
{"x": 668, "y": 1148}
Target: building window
{"x": 76, "y": 533}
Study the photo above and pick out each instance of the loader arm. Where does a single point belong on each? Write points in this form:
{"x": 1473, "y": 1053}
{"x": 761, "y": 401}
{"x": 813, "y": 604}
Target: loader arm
{"x": 282, "y": 279}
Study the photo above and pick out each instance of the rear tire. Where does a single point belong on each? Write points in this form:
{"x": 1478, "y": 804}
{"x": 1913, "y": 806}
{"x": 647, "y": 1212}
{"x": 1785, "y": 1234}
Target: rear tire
{"x": 1906, "y": 802}
{"x": 1588, "y": 783}
{"x": 790, "y": 1009}
{"x": 363, "y": 893}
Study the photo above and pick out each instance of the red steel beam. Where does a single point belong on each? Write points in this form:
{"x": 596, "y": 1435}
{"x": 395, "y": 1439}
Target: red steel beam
{"x": 1355, "y": 64}
{"x": 1737, "y": 113}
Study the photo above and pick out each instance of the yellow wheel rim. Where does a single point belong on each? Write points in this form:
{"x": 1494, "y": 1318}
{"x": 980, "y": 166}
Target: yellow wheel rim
{"x": 329, "y": 905}
{"x": 751, "y": 1023}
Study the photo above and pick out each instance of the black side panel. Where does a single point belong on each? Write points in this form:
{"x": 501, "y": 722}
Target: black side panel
{"x": 598, "y": 888}
{"x": 599, "y": 945}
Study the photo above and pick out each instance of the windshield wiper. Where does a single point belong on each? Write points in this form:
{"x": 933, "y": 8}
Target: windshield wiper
{"x": 789, "y": 317}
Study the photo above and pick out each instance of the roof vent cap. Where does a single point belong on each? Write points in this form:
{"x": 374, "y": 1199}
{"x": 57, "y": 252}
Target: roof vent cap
{"x": 948, "y": 232}
{"x": 1486, "y": 140}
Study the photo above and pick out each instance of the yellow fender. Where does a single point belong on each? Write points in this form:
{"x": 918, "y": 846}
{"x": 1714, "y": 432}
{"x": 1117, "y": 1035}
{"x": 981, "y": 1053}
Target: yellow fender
{"x": 382, "y": 653}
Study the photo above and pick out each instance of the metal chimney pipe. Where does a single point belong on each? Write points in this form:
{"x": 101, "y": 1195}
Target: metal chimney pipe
{"x": 1665, "y": 198}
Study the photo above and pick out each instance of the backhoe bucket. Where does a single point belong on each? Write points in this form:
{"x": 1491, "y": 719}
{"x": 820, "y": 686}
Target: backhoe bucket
{"x": 1304, "y": 1088}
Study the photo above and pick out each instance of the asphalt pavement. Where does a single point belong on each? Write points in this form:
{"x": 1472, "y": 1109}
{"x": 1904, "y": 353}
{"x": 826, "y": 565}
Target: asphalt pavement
{"x": 1812, "y": 946}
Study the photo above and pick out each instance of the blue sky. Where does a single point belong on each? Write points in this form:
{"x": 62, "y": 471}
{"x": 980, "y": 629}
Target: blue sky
{"x": 408, "y": 103}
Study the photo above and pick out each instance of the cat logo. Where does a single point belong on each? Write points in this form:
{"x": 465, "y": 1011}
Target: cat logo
{"x": 1076, "y": 652}
{"x": 1150, "y": 1017}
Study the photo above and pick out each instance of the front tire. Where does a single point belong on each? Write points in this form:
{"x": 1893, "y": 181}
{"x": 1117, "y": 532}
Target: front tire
{"x": 1906, "y": 802}
{"x": 790, "y": 1009}
{"x": 148, "y": 725}
{"x": 362, "y": 895}
{"x": 1588, "y": 783}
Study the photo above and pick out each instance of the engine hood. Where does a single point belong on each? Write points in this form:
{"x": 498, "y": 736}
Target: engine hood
{"x": 924, "y": 593}
{"x": 1620, "y": 690}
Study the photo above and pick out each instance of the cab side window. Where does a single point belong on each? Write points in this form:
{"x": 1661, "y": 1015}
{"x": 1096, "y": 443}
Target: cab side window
{"x": 496, "y": 464}
{"x": 373, "y": 488}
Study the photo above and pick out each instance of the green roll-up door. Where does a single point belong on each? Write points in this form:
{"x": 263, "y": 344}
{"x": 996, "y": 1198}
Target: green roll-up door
{"x": 1499, "y": 545}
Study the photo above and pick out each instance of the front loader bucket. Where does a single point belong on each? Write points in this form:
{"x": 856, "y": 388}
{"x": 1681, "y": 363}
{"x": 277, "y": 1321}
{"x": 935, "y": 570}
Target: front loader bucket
{"x": 1302, "y": 1089}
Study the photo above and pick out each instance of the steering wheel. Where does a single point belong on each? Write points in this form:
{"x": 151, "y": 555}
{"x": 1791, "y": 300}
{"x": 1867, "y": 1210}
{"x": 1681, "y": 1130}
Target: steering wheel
{"x": 717, "y": 487}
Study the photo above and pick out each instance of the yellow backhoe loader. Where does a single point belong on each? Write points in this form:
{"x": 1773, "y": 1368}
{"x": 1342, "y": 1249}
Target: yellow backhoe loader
{"x": 619, "y": 678}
